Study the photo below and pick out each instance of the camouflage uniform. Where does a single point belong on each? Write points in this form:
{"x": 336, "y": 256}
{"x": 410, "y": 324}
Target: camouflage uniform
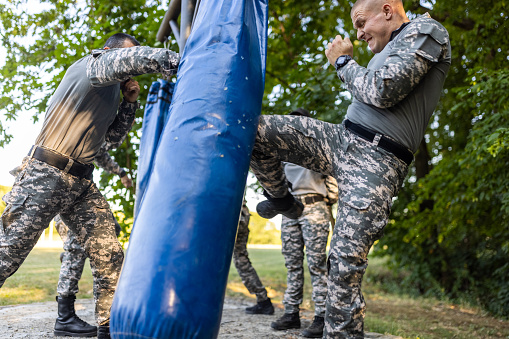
{"x": 311, "y": 230}
{"x": 42, "y": 191}
{"x": 241, "y": 260}
{"x": 368, "y": 176}
{"x": 73, "y": 260}
{"x": 39, "y": 193}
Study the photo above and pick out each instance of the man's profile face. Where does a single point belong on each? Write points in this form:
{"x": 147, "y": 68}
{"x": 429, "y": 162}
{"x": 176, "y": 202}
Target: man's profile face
{"x": 372, "y": 26}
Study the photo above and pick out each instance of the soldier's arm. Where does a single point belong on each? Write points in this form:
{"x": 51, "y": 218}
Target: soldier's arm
{"x": 332, "y": 190}
{"x": 122, "y": 124}
{"x": 106, "y": 162}
{"x": 412, "y": 57}
{"x": 111, "y": 66}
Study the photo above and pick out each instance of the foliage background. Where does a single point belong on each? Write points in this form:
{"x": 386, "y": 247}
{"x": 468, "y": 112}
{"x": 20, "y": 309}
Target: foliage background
{"x": 449, "y": 226}
{"x": 263, "y": 231}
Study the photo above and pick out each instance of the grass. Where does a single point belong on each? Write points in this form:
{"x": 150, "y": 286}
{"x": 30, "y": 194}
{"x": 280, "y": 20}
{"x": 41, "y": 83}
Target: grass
{"x": 388, "y": 310}
{"x": 36, "y": 280}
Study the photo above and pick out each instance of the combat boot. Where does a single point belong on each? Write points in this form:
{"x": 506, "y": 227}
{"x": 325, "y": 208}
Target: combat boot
{"x": 262, "y": 307}
{"x": 287, "y": 321}
{"x": 104, "y": 332}
{"x": 315, "y": 330}
{"x": 287, "y": 206}
{"x": 68, "y": 323}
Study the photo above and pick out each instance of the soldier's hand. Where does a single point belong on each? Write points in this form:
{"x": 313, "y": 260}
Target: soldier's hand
{"x": 338, "y": 47}
{"x": 126, "y": 181}
{"x": 130, "y": 90}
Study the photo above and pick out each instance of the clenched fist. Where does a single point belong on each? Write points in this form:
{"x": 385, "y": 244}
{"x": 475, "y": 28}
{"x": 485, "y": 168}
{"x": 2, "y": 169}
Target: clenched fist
{"x": 338, "y": 47}
{"x": 130, "y": 90}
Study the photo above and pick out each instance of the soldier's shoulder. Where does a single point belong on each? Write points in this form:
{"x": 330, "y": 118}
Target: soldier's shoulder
{"x": 96, "y": 52}
{"x": 425, "y": 24}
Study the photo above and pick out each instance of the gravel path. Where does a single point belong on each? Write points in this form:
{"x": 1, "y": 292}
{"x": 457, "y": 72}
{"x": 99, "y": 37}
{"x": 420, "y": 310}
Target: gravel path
{"x": 36, "y": 321}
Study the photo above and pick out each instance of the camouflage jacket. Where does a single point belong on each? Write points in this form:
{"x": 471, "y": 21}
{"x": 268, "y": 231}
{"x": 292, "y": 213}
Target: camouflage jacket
{"x": 332, "y": 190}
{"x": 129, "y": 62}
{"x": 410, "y": 60}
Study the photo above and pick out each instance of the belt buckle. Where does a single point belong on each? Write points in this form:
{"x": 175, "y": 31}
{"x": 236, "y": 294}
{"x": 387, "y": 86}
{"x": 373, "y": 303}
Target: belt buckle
{"x": 69, "y": 165}
{"x": 377, "y": 138}
{"x": 32, "y": 151}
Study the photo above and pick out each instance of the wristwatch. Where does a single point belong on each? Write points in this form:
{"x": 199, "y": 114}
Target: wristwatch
{"x": 341, "y": 61}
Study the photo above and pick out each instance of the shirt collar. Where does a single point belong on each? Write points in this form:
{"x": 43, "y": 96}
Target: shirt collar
{"x": 396, "y": 32}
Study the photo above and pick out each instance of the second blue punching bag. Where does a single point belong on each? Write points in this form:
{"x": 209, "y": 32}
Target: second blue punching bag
{"x": 156, "y": 115}
{"x": 174, "y": 277}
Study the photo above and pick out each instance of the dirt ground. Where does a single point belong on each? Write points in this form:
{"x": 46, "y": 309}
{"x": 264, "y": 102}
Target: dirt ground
{"x": 35, "y": 321}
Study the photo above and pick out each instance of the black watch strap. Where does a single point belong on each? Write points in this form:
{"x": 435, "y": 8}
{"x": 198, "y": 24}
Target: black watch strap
{"x": 341, "y": 61}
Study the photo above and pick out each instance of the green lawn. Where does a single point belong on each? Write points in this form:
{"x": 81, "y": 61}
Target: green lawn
{"x": 36, "y": 280}
{"x": 387, "y": 310}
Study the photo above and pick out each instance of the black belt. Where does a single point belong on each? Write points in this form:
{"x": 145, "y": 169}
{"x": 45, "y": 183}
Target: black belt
{"x": 387, "y": 144}
{"x": 61, "y": 162}
{"x": 308, "y": 200}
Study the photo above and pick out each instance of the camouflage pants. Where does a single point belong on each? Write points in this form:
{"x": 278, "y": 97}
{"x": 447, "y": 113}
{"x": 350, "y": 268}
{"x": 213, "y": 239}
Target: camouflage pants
{"x": 368, "y": 178}
{"x": 73, "y": 260}
{"x": 241, "y": 260}
{"x": 310, "y": 230}
{"x": 40, "y": 192}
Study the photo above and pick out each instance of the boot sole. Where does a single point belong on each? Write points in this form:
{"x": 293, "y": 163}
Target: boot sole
{"x": 311, "y": 335}
{"x": 74, "y": 334}
{"x": 262, "y": 313}
{"x": 282, "y": 328}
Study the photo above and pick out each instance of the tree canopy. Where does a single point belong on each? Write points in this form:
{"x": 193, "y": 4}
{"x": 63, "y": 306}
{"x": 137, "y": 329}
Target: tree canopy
{"x": 449, "y": 225}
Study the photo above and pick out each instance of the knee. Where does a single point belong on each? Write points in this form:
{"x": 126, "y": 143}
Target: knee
{"x": 345, "y": 268}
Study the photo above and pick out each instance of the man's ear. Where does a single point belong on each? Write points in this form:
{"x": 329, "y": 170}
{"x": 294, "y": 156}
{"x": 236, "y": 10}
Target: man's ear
{"x": 106, "y": 47}
{"x": 387, "y": 10}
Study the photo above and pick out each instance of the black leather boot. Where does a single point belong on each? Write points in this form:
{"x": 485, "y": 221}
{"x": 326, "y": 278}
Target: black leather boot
{"x": 315, "y": 330}
{"x": 287, "y": 321}
{"x": 68, "y": 323}
{"x": 104, "y": 332}
{"x": 262, "y": 307}
{"x": 287, "y": 206}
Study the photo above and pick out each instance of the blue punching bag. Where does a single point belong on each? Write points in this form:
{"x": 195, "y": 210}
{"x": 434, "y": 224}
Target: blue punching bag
{"x": 154, "y": 119}
{"x": 174, "y": 277}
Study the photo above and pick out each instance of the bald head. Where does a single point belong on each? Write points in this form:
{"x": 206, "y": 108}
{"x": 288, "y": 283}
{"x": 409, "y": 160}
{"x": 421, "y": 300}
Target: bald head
{"x": 374, "y": 5}
{"x": 375, "y": 20}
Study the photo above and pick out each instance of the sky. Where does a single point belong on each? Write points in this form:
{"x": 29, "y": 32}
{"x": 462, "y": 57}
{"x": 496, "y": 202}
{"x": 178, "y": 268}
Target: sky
{"x": 24, "y": 132}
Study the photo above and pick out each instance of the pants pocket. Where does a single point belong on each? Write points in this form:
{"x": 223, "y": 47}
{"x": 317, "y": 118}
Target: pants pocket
{"x": 13, "y": 209}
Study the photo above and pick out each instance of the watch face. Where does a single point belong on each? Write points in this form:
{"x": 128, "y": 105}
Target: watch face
{"x": 342, "y": 60}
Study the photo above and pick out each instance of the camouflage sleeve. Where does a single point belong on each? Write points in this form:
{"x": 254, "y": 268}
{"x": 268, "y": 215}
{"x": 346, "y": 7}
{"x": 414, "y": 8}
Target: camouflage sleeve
{"x": 111, "y": 66}
{"x": 122, "y": 124}
{"x": 332, "y": 190}
{"x": 244, "y": 215}
{"x": 412, "y": 56}
{"x": 106, "y": 162}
